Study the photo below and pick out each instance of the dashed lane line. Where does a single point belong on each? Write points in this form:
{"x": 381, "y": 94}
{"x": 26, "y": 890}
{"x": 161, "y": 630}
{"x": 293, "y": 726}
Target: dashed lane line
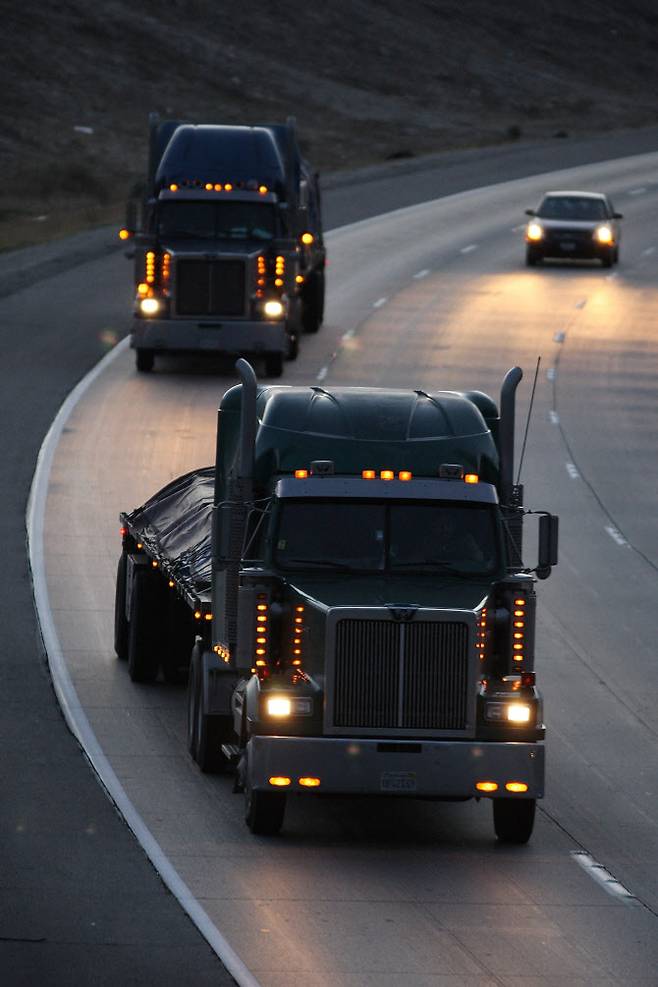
{"x": 616, "y": 535}
{"x": 572, "y": 470}
{"x": 379, "y": 302}
{"x": 421, "y": 274}
{"x": 469, "y": 249}
{"x": 602, "y": 876}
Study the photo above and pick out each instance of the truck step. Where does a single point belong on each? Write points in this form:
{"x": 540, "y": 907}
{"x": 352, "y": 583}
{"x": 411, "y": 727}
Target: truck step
{"x": 231, "y": 752}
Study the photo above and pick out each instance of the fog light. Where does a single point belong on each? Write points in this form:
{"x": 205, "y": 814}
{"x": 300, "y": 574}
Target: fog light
{"x": 273, "y": 309}
{"x": 149, "y": 306}
{"x": 516, "y": 786}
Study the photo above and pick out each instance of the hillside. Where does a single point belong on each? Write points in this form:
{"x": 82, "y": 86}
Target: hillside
{"x": 368, "y": 80}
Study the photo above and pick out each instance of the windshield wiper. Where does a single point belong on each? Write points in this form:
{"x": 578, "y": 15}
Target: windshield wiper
{"x": 330, "y": 563}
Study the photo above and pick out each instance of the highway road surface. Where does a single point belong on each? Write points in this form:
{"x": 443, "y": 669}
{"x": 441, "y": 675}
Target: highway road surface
{"x": 352, "y": 893}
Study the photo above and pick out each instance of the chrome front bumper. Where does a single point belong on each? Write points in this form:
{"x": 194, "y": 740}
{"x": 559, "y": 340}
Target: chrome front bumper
{"x": 216, "y": 335}
{"x": 448, "y": 769}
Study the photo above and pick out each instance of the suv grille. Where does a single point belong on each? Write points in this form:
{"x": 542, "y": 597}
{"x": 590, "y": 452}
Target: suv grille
{"x": 210, "y": 287}
{"x": 409, "y": 676}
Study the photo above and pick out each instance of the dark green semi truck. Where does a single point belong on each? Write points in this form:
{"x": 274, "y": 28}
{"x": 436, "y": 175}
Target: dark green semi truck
{"x": 345, "y": 591}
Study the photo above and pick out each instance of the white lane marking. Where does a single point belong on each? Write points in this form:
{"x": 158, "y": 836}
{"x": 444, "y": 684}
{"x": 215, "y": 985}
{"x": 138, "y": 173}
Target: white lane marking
{"x": 67, "y": 696}
{"x": 551, "y": 373}
{"x": 602, "y": 876}
{"x": 379, "y": 302}
{"x": 350, "y": 334}
{"x": 572, "y": 470}
{"x": 637, "y": 191}
{"x": 322, "y": 373}
{"x": 469, "y": 248}
{"x": 559, "y": 337}
{"x": 616, "y": 535}
{"x": 554, "y": 418}
{"x": 421, "y": 274}
{"x": 648, "y": 251}
{"x": 517, "y": 229}
{"x": 609, "y": 277}
{"x": 582, "y": 303}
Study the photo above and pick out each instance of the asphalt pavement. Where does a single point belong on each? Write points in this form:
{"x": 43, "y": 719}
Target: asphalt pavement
{"x": 80, "y": 902}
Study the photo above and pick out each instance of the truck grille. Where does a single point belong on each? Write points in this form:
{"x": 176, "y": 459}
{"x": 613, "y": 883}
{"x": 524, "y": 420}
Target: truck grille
{"x": 409, "y": 676}
{"x": 210, "y": 287}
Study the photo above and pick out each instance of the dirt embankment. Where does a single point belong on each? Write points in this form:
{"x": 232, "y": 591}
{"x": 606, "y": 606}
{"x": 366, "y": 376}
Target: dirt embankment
{"x": 368, "y": 80}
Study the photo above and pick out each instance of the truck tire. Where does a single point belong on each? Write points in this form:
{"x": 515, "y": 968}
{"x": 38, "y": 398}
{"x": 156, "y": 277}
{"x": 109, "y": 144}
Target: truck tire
{"x": 177, "y": 649}
{"x": 313, "y": 302}
{"x": 206, "y": 732}
{"x": 514, "y": 819}
{"x": 146, "y": 618}
{"x": 273, "y": 364}
{"x": 264, "y": 811}
{"x": 293, "y": 346}
{"x": 144, "y": 360}
{"x": 121, "y": 627}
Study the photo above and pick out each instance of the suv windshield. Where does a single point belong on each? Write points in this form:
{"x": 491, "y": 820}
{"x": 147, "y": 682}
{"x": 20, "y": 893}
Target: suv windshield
{"x": 572, "y": 207}
{"x": 217, "y": 220}
{"x": 371, "y": 536}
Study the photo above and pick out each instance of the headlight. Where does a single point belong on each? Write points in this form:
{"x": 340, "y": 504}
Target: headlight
{"x": 534, "y": 231}
{"x": 604, "y": 234}
{"x": 273, "y": 309}
{"x": 282, "y": 706}
{"x": 149, "y": 306}
{"x": 514, "y": 712}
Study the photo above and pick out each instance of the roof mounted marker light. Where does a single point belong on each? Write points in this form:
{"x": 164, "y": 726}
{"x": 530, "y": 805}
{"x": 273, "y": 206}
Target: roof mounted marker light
{"x": 369, "y": 474}
{"x": 405, "y": 475}
{"x": 471, "y": 478}
{"x": 387, "y": 474}
{"x": 451, "y": 471}
{"x": 322, "y": 467}
{"x": 301, "y": 474}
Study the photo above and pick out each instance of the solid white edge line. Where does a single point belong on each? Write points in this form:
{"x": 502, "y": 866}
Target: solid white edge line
{"x": 68, "y": 697}
{"x": 379, "y": 302}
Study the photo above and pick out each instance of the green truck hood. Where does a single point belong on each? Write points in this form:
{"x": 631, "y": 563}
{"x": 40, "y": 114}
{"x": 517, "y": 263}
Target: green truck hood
{"x": 340, "y": 590}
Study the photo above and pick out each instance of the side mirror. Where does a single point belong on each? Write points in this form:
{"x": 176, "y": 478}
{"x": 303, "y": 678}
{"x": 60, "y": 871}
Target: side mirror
{"x": 530, "y": 212}
{"x": 617, "y": 215}
{"x": 548, "y": 540}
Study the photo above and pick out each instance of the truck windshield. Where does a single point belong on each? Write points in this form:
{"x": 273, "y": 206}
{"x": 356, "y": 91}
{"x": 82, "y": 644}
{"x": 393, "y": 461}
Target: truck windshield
{"x": 371, "y": 536}
{"x": 216, "y": 220}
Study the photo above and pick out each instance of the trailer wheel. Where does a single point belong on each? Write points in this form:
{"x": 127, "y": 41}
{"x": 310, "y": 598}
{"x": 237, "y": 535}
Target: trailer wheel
{"x": 273, "y": 364}
{"x": 143, "y": 636}
{"x": 144, "y": 360}
{"x": 206, "y": 732}
{"x": 514, "y": 819}
{"x": 121, "y": 627}
{"x": 264, "y": 811}
{"x": 313, "y": 302}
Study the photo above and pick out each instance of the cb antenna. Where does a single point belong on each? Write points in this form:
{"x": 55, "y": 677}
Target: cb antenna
{"x": 527, "y": 423}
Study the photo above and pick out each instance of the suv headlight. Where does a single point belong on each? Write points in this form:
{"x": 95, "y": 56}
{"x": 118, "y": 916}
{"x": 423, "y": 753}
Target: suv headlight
{"x": 604, "y": 234}
{"x": 534, "y": 231}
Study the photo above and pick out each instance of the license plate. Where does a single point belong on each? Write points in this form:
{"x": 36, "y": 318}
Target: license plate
{"x": 567, "y": 245}
{"x": 398, "y": 781}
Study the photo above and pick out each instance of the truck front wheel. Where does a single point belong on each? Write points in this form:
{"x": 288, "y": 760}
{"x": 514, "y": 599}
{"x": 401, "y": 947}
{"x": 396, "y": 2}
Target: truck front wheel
{"x": 144, "y": 360}
{"x": 264, "y": 811}
{"x": 273, "y": 364}
{"x": 514, "y": 819}
{"x": 206, "y": 732}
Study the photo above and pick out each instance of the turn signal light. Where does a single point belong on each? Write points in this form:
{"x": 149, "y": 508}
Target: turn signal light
{"x": 310, "y": 782}
{"x": 279, "y": 781}
{"x": 307, "y": 238}
{"x": 516, "y": 786}
{"x": 487, "y": 786}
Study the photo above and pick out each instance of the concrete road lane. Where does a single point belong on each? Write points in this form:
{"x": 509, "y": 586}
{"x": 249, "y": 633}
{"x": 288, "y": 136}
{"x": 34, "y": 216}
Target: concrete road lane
{"x": 418, "y": 893}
